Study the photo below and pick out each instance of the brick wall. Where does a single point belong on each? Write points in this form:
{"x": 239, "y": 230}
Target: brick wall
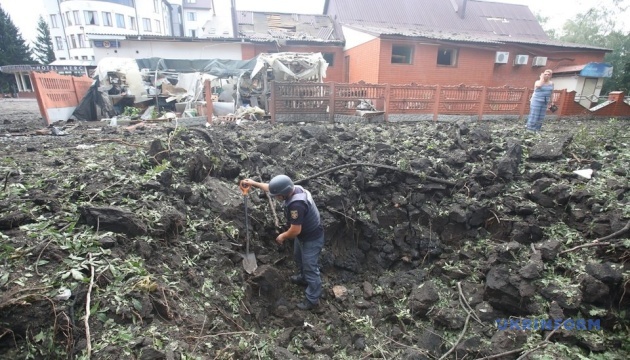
{"x": 526, "y": 75}
{"x": 474, "y": 66}
{"x": 363, "y": 62}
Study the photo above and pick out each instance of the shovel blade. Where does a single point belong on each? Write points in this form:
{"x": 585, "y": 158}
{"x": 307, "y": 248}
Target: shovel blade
{"x": 249, "y": 263}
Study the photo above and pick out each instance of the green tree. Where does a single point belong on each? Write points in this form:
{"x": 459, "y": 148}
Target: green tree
{"x": 13, "y": 49}
{"x": 597, "y": 27}
{"x": 43, "y": 48}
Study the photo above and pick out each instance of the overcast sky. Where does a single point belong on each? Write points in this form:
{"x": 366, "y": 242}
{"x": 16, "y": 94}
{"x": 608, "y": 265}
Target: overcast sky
{"x": 25, "y": 13}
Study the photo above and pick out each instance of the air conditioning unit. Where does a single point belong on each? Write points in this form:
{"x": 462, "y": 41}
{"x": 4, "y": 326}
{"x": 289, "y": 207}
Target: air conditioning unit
{"x": 521, "y": 59}
{"x": 539, "y": 61}
{"x": 501, "y": 57}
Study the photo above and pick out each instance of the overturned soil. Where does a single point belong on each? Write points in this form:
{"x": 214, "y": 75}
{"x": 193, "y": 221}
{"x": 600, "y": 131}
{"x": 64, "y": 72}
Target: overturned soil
{"x": 434, "y": 231}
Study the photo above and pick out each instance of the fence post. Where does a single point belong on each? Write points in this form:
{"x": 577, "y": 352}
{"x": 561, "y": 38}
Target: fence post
{"x": 272, "y": 102}
{"x": 523, "y": 105}
{"x": 331, "y": 104}
{"x": 560, "y": 102}
{"x": 76, "y": 92}
{"x": 438, "y": 92}
{"x": 39, "y": 94}
{"x": 208, "y": 97}
{"x": 482, "y": 105}
{"x": 388, "y": 91}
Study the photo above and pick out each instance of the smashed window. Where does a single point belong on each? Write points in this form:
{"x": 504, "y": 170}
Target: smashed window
{"x": 447, "y": 57}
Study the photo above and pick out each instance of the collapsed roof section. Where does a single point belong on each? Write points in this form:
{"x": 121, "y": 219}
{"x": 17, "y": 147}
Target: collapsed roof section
{"x": 220, "y": 68}
{"x": 287, "y": 66}
{"x": 290, "y": 66}
{"x": 284, "y": 28}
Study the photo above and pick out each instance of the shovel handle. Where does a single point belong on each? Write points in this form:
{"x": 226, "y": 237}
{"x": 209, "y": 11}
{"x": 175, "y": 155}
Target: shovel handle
{"x": 244, "y": 187}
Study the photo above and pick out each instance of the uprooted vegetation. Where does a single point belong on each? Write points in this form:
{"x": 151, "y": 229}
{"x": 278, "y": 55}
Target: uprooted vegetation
{"x": 433, "y": 231}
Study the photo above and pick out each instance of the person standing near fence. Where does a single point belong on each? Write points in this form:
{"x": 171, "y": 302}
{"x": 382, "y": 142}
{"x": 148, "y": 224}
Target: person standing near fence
{"x": 540, "y": 101}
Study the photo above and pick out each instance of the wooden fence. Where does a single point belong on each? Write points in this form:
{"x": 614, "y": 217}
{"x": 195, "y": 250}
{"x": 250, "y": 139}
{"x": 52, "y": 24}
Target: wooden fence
{"x": 330, "y": 99}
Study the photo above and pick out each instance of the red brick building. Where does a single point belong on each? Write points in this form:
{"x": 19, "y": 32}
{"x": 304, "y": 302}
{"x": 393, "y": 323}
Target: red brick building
{"x": 449, "y": 42}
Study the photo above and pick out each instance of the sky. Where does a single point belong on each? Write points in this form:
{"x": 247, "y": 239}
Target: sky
{"x": 25, "y": 13}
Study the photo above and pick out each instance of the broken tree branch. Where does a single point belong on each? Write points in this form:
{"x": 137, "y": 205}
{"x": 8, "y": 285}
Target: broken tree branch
{"x": 540, "y": 345}
{"x": 276, "y": 222}
{"x": 459, "y": 339}
{"x": 420, "y": 175}
{"x": 87, "y": 309}
{"x": 466, "y": 305}
{"x": 597, "y": 242}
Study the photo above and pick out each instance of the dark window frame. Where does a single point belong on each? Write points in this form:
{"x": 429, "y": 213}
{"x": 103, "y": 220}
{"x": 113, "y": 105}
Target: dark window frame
{"x": 402, "y": 54}
{"x": 447, "y": 57}
{"x": 330, "y": 58}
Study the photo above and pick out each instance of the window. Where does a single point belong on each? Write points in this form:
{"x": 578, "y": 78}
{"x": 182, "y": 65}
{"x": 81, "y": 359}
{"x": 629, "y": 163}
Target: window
{"x": 120, "y": 21}
{"x": 81, "y": 41}
{"x": 84, "y": 57}
{"x": 107, "y": 19}
{"x": 158, "y": 27}
{"x": 73, "y": 41}
{"x": 59, "y": 42}
{"x": 447, "y": 57}
{"x": 90, "y": 17}
{"x": 68, "y": 19}
{"x": 191, "y": 16}
{"x": 329, "y": 57}
{"x": 146, "y": 24}
{"x": 191, "y": 1}
{"x": 156, "y": 7}
{"x": 132, "y": 23}
{"x": 77, "y": 17}
{"x": 53, "y": 21}
{"x": 401, "y": 54}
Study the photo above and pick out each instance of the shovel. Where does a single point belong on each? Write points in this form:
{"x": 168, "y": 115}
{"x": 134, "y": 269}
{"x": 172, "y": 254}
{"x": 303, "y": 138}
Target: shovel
{"x": 249, "y": 259}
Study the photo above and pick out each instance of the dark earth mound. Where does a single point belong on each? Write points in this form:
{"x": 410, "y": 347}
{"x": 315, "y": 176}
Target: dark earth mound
{"x": 434, "y": 231}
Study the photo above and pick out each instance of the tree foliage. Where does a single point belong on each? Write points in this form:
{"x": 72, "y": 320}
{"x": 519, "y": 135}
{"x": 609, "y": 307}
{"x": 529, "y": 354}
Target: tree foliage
{"x": 598, "y": 27}
{"x": 43, "y": 48}
{"x": 13, "y": 49}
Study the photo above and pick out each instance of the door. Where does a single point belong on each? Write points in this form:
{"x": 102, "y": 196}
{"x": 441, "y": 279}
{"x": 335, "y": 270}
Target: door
{"x": 346, "y": 69}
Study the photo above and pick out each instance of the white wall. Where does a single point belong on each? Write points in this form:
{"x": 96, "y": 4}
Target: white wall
{"x": 219, "y": 25}
{"x": 565, "y": 82}
{"x": 172, "y": 50}
{"x": 355, "y": 38}
{"x": 575, "y": 83}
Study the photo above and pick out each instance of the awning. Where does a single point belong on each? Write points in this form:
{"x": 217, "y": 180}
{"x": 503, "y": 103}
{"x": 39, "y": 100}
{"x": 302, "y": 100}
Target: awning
{"x": 598, "y": 70}
{"x": 42, "y": 68}
{"x": 592, "y": 69}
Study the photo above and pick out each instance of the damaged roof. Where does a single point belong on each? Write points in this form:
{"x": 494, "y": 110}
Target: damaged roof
{"x": 270, "y": 27}
{"x": 453, "y": 20}
{"x": 463, "y": 36}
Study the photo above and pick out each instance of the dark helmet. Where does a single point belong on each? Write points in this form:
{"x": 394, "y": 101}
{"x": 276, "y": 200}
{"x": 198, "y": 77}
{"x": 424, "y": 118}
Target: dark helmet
{"x": 281, "y": 185}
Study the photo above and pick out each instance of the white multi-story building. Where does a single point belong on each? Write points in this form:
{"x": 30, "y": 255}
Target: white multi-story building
{"x": 79, "y": 28}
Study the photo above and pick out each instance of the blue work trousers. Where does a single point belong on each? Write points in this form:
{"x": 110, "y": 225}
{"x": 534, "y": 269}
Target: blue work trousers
{"x": 306, "y": 256}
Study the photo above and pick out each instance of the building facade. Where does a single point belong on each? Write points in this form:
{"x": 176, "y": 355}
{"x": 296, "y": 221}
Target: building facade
{"x": 77, "y": 26}
{"x": 458, "y": 42}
